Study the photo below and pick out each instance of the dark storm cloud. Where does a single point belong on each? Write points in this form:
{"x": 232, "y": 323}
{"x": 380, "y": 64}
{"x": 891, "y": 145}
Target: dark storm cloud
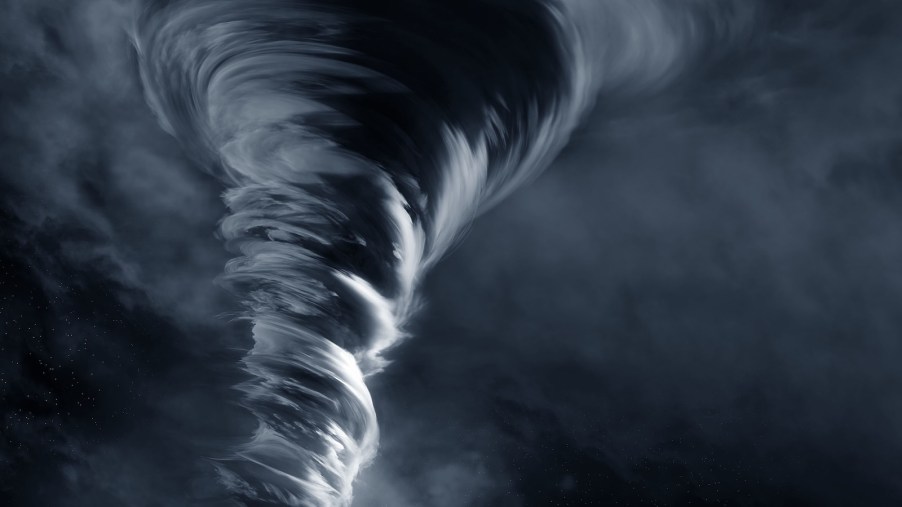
{"x": 698, "y": 303}
{"x": 82, "y": 151}
{"x": 114, "y": 365}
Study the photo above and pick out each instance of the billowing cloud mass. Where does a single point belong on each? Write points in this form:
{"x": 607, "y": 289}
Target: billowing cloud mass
{"x": 694, "y": 303}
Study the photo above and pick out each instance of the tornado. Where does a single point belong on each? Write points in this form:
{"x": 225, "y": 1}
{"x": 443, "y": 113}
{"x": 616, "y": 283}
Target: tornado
{"x": 355, "y": 141}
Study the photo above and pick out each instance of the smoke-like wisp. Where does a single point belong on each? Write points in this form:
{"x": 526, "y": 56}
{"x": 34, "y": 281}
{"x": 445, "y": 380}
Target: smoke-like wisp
{"x": 357, "y": 139}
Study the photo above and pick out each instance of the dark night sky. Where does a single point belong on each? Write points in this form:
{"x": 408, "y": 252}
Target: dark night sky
{"x": 697, "y": 304}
